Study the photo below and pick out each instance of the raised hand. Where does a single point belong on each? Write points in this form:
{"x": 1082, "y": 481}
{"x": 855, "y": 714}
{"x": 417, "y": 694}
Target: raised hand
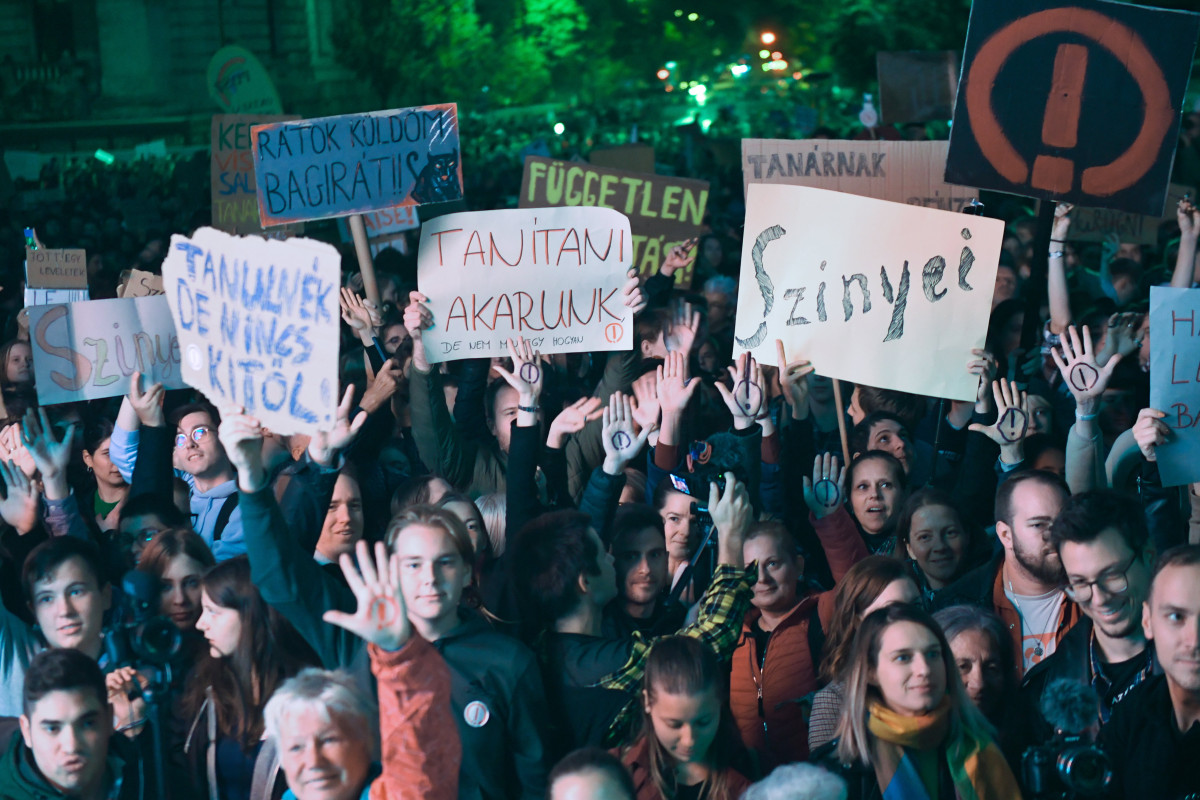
{"x": 1012, "y": 425}
{"x": 684, "y": 327}
{"x": 731, "y": 515}
{"x": 675, "y": 389}
{"x": 621, "y": 444}
{"x": 381, "y": 617}
{"x": 51, "y": 455}
{"x": 984, "y": 365}
{"x": 147, "y": 404}
{"x": 324, "y": 446}
{"x": 1150, "y": 431}
{"x": 242, "y": 438}
{"x": 748, "y": 398}
{"x": 632, "y": 296}
{"x": 826, "y": 490}
{"x": 1189, "y": 219}
{"x": 361, "y": 315}
{"x": 527, "y": 375}
{"x": 22, "y": 501}
{"x": 120, "y": 682}
{"x": 385, "y": 384}
{"x": 646, "y": 410}
{"x": 1062, "y": 223}
{"x": 1121, "y": 338}
{"x": 417, "y": 318}
{"x": 679, "y": 257}
{"x": 793, "y": 381}
{"x": 1085, "y": 378}
{"x": 14, "y": 450}
{"x": 572, "y": 419}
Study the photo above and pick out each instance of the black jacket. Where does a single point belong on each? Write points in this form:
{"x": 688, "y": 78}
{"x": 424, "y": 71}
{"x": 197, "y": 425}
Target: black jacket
{"x": 1151, "y": 757}
{"x": 974, "y": 588}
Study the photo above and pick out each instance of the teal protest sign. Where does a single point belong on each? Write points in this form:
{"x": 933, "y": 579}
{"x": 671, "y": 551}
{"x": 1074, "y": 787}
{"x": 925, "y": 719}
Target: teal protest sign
{"x": 1175, "y": 380}
{"x": 336, "y": 166}
{"x": 87, "y": 350}
{"x": 258, "y": 324}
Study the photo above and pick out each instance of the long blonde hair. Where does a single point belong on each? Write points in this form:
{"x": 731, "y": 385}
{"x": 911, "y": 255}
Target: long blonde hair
{"x": 685, "y": 665}
{"x": 858, "y": 692}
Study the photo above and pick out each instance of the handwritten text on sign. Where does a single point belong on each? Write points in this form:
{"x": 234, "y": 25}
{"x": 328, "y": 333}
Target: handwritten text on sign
{"x": 258, "y": 324}
{"x": 234, "y": 203}
{"x": 1175, "y": 380}
{"x": 663, "y": 211}
{"x": 56, "y": 269}
{"x": 335, "y": 166}
{"x": 552, "y": 275}
{"x": 879, "y": 293}
{"x": 903, "y": 172}
{"x": 82, "y": 351}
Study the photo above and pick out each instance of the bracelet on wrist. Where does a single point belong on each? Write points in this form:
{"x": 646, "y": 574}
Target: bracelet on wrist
{"x": 1056, "y": 254}
{"x": 1085, "y": 417}
{"x": 530, "y": 409}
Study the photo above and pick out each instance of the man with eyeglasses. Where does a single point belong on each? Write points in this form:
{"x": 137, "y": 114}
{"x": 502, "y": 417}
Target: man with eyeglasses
{"x": 1103, "y": 542}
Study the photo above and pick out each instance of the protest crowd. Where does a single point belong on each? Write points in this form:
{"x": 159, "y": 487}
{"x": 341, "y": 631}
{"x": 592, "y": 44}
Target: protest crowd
{"x": 662, "y": 570}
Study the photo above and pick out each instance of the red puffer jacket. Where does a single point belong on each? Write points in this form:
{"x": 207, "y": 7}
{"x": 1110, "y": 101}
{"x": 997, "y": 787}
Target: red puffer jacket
{"x": 767, "y": 703}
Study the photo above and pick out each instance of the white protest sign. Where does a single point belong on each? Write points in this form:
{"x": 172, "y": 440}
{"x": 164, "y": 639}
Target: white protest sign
{"x": 258, "y": 324}
{"x": 552, "y": 275}
{"x": 879, "y": 293}
{"x": 47, "y": 297}
{"x": 82, "y": 351}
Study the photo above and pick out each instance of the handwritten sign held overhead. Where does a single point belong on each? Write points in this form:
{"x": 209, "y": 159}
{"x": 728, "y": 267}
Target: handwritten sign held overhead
{"x": 335, "y": 166}
{"x": 1079, "y": 101}
{"x": 884, "y": 294}
{"x": 86, "y": 350}
{"x": 1095, "y": 224}
{"x": 258, "y": 324}
{"x": 1175, "y": 380}
{"x": 663, "y": 211}
{"x": 552, "y": 275}
{"x": 234, "y": 200}
{"x": 56, "y": 269}
{"x": 903, "y": 172}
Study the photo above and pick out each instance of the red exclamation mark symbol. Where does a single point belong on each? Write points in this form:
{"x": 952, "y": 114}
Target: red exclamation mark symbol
{"x": 1060, "y": 127}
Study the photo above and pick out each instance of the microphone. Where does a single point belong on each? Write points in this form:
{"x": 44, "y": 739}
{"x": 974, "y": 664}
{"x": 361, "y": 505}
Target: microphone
{"x": 1070, "y": 706}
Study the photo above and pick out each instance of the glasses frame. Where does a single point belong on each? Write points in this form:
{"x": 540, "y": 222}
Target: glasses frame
{"x": 1089, "y": 586}
{"x": 197, "y": 435}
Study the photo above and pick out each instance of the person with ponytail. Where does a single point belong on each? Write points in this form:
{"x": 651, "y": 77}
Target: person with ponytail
{"x": 687, "y": 732}
{"x": 909, "y": 730}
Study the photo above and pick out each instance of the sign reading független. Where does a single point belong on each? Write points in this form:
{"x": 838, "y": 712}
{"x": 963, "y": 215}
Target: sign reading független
{"x": 258, "y": 325}
{"x": 552, "y": 275}
{"x": 879, "y": 293}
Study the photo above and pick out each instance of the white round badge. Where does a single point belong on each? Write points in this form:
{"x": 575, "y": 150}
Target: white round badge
{"x": 476, "y": 714}
{"x": 195, "y": 356}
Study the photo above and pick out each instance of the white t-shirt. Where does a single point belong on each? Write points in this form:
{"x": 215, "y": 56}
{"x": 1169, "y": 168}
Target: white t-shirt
{"x": 1039, "y": 623}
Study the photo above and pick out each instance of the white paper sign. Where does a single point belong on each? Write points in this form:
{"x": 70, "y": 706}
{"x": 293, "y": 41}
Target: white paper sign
{"x": 86, "y": 350}
{"x": 258, "y": 324}
{"x": 552, "y": 275}
{"x": 879, "y": 293}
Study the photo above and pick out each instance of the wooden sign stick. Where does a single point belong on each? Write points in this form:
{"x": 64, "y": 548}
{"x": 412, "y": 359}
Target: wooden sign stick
{"x": 358, "y": 230}
{"x": 841, "y": 420}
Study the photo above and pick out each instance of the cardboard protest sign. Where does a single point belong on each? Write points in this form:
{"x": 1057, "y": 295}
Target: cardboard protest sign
{"x": 663, "y": 211}
{"x": 1094, "y": 224}
{"x": 234, "y": 201}
{"x": 47, "y": 297}
{"x": 552, "y": 275}
{"x": 141, "y": 284}
{"x": 258, "y": 324}
{"x": 903, "y": 172}
{"x": 82, "y": 351}
{"x": 917, "y": 85}
{"x": 239, "y": 83}
{"x": 384, "y": 223}
{"x": 335, "y": 166}
{"x": 1175, "y": 380}
{"x": 55, "y": 269}
{"x": 879, "y": 293}
{"x": 1080, "y": 102}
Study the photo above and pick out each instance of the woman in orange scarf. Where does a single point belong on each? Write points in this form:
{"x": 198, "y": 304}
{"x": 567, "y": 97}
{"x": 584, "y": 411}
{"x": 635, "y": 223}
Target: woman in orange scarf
{"x": 909, "y": 731}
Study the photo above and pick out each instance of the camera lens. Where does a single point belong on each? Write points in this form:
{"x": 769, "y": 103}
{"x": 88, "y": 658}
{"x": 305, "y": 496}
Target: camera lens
{"x": 1084, "y": 770}
{"x": 158, "y": 640}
